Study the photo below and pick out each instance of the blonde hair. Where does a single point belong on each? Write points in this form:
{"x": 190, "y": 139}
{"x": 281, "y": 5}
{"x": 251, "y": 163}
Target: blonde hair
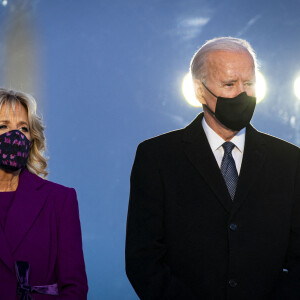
{"x": 37, "y": 162}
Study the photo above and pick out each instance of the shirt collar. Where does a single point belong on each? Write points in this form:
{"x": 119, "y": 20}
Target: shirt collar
{"x": 215, "y": 141}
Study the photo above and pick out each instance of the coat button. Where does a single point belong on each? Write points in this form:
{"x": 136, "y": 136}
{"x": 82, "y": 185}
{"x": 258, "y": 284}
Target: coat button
{"x": 232, "y": 283}
{"x": 233, "y": 226}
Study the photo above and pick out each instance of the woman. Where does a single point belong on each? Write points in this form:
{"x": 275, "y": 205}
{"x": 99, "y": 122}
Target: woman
{"x": 40, "y": 237}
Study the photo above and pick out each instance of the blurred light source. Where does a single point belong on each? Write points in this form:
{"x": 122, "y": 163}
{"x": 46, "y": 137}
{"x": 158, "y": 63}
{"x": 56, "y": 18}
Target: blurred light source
{"x": 20, "y": 64}
{"x": 188, "y": 90}
{"x": 261, "y": 87}
{"x": 297, "y": 87}
{"x": 4, "y": 2}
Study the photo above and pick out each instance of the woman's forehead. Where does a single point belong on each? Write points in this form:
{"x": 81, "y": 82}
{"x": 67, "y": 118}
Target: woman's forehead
{"x": 13, "y": 109}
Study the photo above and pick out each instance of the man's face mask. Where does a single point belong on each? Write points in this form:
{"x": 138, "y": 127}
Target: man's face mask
{"x": 234, "y": 113}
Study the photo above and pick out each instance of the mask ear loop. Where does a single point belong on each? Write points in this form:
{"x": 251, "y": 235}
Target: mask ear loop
{"x": 213, "y": 95}
{"x": 209, "y": 90}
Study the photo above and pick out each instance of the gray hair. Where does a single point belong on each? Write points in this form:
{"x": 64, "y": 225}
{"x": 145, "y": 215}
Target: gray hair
{"x": 198, "y": 63}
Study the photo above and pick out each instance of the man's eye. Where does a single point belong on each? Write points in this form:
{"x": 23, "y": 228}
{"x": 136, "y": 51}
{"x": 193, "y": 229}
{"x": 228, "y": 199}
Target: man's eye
{"x": 25, "y": 129}
{"x": 229, "y": 84}
{"x": 250, "y": 83}
{"x": 3, "y": 126}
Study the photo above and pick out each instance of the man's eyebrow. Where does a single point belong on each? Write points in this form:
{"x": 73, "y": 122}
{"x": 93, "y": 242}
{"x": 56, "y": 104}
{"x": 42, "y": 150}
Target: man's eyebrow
{"x": 235, "y": 80}
{"x": 229, "y": 81}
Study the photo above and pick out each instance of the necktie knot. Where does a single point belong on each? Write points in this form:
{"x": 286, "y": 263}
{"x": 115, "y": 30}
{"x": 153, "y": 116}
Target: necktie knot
{"x": 228, "y": 147}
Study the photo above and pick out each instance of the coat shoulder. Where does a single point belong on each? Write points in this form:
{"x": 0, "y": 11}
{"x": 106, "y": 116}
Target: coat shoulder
{"x": 165, "y": 140}
{"x": 279, "y": 144}
{"x": 59, "y": 188}
{"x": 55, "y": 194}
{"x": 172, "y": 140}
{"x": 62, "y": 196}
{"x": 57, "y": 191}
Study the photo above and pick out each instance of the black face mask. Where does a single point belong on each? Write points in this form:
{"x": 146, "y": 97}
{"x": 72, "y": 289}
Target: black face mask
{"x": 234, "y": 113}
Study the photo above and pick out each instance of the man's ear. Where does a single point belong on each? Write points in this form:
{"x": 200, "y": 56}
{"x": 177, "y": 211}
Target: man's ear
{"x": 199, "y": 91}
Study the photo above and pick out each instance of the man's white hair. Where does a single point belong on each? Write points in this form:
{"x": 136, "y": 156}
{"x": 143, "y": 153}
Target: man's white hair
{"x": 198, "y": 67}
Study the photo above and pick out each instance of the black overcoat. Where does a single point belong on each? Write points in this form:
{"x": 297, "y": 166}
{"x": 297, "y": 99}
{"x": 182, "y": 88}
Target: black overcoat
{"x": 186, "y": 239}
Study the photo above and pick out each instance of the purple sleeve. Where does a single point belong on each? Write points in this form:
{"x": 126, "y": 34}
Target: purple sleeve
{"x": 70, "y": 267}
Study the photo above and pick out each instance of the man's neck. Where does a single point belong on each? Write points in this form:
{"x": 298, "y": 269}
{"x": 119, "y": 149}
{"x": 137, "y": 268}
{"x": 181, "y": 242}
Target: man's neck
{"x": 224, "y": 132}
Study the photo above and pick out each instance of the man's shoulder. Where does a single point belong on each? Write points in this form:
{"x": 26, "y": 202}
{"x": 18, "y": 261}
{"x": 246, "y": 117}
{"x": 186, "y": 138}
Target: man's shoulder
{"x": 173, "y": 138}
{"x": 162, "y": 141}
{"x": 278, "y": 144}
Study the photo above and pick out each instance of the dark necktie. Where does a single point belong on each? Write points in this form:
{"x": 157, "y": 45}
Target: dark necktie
{"x": 228, "y": 168}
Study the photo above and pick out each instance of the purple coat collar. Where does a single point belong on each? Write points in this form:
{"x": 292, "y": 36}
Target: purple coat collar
{"x": 26, "y": 206}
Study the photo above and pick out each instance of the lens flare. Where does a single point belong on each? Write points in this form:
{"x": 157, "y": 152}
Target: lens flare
{"x": 297, "y": 87}
{"x": 188, "y": 91}
{"x": 261, "y": 87}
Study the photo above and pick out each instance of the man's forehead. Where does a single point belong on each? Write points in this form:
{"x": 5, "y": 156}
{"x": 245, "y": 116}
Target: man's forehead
{"x": 227, "y": 55}
{"x": 229, "y": 62}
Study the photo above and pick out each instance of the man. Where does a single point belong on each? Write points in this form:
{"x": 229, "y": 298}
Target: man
{"x": 214, "y": 210}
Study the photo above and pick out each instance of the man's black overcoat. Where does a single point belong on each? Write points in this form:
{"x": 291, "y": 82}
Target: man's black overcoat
{"x": 186, "y": 239}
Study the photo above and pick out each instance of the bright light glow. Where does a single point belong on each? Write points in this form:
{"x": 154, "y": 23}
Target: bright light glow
{"x": 188, "y": 90}
{"x": 261, "y": 87}
{"x": 4, "y": 2}
{"x": 297, "y": 87}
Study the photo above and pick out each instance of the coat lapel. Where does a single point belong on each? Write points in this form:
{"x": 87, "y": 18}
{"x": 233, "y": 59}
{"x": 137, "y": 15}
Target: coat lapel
{"x": 5, "y": 254}
{"x": 253, "y": 161}
{"x": 201, "y": 156}
{"x": 26, "y": 206}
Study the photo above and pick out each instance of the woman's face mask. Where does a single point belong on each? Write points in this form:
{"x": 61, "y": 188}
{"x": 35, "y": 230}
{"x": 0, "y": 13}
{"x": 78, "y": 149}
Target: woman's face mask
{"x": 14, "y": 150}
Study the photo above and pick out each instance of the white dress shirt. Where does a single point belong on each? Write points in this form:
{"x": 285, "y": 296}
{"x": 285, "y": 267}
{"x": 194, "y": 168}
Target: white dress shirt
{"x": 216, "y": 142}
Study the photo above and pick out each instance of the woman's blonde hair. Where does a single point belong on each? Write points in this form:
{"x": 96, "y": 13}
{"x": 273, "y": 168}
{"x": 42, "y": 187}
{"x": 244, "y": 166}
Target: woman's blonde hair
{"x": 37, "y": 162}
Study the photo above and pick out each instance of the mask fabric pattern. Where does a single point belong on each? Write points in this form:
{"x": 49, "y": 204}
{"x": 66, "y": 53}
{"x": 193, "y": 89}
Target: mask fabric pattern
{"x": 14, "y": 150}
{"x": 235, "y": 113}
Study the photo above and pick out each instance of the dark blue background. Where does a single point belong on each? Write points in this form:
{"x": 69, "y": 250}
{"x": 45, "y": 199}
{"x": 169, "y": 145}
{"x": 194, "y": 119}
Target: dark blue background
{"x": 110, "y": 77}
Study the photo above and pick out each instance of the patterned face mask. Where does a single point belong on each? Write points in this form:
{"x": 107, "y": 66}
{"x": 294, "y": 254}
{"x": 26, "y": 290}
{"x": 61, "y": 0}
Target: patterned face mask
{"x": 14, "y": 150}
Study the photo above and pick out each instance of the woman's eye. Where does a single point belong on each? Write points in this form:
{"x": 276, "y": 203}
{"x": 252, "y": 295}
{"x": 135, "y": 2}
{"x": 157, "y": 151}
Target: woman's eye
{"x": 3, "y": 126}
{"x": 25, "y": 129}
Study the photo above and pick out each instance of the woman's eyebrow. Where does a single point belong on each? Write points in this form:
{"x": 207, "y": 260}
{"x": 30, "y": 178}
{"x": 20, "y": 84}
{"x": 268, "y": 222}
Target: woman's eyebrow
{"x": 23, "y": 123}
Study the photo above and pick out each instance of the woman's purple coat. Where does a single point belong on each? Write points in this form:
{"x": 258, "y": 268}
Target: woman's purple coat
{"x": 43, "y": 228}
